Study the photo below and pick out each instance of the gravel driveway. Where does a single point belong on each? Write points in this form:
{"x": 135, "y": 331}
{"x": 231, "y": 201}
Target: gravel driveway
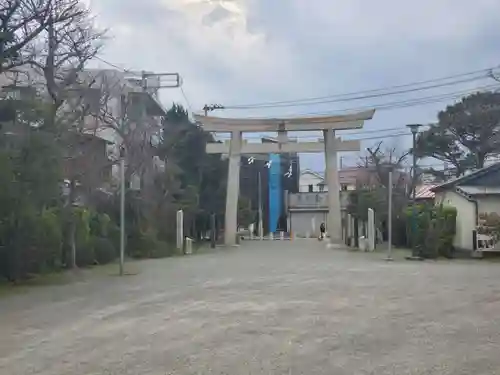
{"x": 275, "y": 308}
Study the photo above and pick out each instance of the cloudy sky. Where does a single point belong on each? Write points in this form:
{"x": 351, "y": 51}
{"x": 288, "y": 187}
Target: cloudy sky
{"x": 252, "y": 51}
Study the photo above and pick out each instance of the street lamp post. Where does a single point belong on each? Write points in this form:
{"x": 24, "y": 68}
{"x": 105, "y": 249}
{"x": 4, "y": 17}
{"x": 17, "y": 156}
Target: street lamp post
{"x": 122, "y": 210}
{"x": 389, "y": 217}
{"x": 414, "y": 130}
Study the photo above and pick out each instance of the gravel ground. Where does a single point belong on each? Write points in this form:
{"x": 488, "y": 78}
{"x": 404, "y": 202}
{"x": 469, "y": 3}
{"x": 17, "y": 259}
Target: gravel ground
{"x": 276, "y": 308}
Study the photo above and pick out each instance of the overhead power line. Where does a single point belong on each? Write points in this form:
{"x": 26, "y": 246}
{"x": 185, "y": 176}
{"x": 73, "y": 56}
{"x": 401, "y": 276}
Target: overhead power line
{"x": 112, "y": 65}
{"x": 347, "y": 98}
{"x": 486, "y": 72}
{"x": 390, "y": 135}
{"x": 399, "y": 103}
{"x": 363, "y": 132}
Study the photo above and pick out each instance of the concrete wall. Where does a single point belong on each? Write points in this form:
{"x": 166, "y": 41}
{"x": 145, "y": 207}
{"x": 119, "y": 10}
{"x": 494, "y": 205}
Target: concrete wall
{"x": 315, "y": 200}
{"x": 301, "y": 222}
{"x": 304, "y": 206}
{"x": 466, "y": 217}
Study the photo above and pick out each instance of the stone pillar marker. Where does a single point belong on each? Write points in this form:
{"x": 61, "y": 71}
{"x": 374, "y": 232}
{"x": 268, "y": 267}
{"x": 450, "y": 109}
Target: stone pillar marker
{"x": 349, "y": 229}
{"x": 371, "y": 230}
{"x": 233, "y": 189}
{"x": 180, "y": 230}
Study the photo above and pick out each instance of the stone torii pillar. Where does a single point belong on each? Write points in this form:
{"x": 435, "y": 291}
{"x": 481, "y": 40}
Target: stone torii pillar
{"x": 233, "y": 189}
{"x": 334, "y": 220}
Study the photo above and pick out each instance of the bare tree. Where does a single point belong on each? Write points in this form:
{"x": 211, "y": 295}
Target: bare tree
{"x": 380, "y": 160}
{"x": 24, "y": 22}
{"x": 122, "y": 113}
{"x": 59, "y": 54}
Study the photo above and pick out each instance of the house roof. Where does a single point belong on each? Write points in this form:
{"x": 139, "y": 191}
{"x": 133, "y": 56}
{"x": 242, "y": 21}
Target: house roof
{"x": 463, "y": 180}
{"x": 351, "y": 175}
{"x": 424, "y": 192}
{"x": 480, "y": 190}
{"x": 316, "y": 174}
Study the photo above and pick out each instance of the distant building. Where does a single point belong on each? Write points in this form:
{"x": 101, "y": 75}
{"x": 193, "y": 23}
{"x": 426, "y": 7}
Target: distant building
{"x": 349, "y": 179}
{"x": 132, "y": 109}
{"x": 309, "y": 208}
{"x": 473, "y": 195}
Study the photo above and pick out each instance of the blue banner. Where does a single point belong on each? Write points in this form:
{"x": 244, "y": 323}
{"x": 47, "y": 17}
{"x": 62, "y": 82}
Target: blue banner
{"x": 274, "y": 192}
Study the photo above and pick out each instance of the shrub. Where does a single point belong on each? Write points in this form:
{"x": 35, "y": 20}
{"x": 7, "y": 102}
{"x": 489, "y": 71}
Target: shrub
{"x": 49, "y": 237}
{"x": 141, "y": 244}
{"x": 435, "y": 228}
{"x": 103, "y": 250}
{"x": 83, "y": 240}
{"x": 114, "y": 235}
{"x": 31, "y": 243}
{"x": 145, "y": 244}
{"x": 99, "y": 224}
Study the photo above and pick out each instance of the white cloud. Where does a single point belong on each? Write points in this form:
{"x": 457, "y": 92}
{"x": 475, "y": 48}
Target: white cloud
{"x": 268, "y": 50}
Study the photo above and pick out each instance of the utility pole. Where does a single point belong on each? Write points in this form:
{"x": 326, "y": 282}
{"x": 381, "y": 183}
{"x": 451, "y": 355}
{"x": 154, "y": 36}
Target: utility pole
{"x": 389, "y": 218}
{"x": 415, "y": 253}
{"x": 173, "y": 80}
{"x": 122, "y": 210}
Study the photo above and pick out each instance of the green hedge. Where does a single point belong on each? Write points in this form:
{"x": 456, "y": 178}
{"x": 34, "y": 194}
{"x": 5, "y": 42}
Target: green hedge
{"x": 94, "y": 244}
{"x": 435, "y": 228}
{"x": 145, "y": 244}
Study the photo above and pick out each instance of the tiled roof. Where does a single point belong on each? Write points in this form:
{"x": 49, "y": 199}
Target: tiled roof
{"x": 468, "y": 177}
{"x": 424, "y": 192}
{"x": 478, "y": 190}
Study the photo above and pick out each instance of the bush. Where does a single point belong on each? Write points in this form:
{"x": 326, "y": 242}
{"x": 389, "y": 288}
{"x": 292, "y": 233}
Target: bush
{"x": 145, "y": 244}
{"x": 99, "y": 224}
{"x": 31, "y": 243}
{"x": 103, "y": 250}
{"x": 49, "y": 236}
{"x": 83, "y": 240}
{"x": 97, "y": 238}
{"x": 435, "y": 229}
{"x": 114, "y": 235}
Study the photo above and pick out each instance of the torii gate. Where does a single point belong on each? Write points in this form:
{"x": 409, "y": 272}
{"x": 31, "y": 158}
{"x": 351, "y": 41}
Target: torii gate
{"x": 330, "y": 146}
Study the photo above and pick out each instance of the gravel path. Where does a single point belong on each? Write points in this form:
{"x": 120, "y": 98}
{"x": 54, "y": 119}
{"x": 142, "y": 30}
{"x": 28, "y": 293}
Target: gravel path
{"x": 276, "y": 308}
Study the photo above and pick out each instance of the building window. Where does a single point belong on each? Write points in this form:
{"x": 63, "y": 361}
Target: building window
{"x": 321, "y": 187}
{"x": 311, "y": 188}
{"x": 343, "y": 187}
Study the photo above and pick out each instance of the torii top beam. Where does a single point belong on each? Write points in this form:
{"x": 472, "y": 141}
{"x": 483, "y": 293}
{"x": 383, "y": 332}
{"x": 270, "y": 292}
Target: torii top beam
{"x": 348, "y": 121}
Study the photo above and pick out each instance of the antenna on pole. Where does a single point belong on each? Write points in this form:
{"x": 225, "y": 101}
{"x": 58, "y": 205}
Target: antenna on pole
{"x": 211, "y": 107}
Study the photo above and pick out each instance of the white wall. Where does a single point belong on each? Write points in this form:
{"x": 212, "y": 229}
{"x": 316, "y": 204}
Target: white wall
{"x": 308, "y": 178}
{"x": 301, "y": 222}
{"x": 466, "y": 217}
